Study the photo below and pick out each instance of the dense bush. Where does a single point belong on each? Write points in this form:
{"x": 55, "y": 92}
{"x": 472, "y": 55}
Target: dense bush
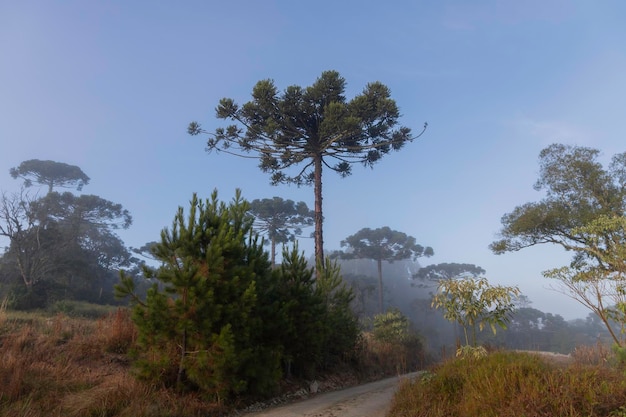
{"x": 220, "y": 320}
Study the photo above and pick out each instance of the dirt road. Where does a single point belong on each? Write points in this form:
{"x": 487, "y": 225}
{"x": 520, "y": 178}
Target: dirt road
{"x": 369, "y": 400}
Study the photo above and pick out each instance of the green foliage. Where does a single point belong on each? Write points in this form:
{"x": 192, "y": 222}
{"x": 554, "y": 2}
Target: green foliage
{"x": 473, "y": 302}
{"x": 221, "y": 320}
{"x": 298, "y": 132}
{"x": 391, "y": 327}
{"x": 584, "y": 212}
{"x": 341, "y": 329}
{"x": 206, "y": 310}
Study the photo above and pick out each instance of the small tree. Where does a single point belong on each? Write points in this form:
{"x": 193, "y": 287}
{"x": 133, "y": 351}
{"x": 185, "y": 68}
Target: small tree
{"x": 473, "y": 302}
{"x": 208, "y": 308}
{"x": 281, "y": 220}
{"x": 382, "y": 244}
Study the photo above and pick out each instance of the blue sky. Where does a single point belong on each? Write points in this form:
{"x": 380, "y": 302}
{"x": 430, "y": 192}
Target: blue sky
{"x": 111, "y": 86}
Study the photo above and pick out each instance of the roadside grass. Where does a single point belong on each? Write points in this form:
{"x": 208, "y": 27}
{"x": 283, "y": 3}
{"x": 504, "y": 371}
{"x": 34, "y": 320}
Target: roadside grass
{"x": 73, "y": 360}
{"x": 508, "y": 384}
{"x": 71, "y": 366}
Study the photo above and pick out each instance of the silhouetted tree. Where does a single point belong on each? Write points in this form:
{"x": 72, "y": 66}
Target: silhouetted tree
{"x": 281, "y": 220}
{"x": 382, "y": 244}
{"x": 448, "y": 271}
{"x": 50, "y": 173}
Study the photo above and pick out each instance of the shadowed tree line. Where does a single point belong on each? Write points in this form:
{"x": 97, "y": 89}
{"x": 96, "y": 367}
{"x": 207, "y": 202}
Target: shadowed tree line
{"x": 61, "y": 245}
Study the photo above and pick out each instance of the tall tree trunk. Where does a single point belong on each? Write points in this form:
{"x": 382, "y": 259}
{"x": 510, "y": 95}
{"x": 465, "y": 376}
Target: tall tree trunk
{"x": 319, "y": 217}
{"x": 380, "y": 285}
{"x": 273, "y": 252}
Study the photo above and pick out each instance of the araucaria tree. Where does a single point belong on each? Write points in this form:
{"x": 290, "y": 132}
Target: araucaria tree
{"x": 448, "y": 271}
{"x": 583, "y": 212}
{"x": 281, "y": 220}
{"x": 298, "y": 132}
{"x": 50, "y": 173}
{"x": 382, "y": 244}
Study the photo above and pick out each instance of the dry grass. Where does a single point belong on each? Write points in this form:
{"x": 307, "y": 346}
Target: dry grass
{"x": 72, "y": 366}
{"x": 61, "y": 366}
{"x": 514, "y": 384}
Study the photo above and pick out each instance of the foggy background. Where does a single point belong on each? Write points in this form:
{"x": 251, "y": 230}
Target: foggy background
{"x": 111, "y": 87}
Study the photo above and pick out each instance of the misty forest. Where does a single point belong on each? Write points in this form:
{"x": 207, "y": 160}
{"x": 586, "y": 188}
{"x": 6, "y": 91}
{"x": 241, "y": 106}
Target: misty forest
{"x": 226, "y": 304}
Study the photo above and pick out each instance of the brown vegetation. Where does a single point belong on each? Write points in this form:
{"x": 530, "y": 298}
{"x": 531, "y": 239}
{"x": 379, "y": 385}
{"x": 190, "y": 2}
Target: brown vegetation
{"x": 62, "y": 366}
{"x": 70, "y": 366}
{"x": 517, "y": 384}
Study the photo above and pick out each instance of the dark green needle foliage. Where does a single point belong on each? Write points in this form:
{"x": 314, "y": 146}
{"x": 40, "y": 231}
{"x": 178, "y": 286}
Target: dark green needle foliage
{"x": 201, "y": 327}
{"x": 300, "y": 131}
{"x": 220, "y": 320}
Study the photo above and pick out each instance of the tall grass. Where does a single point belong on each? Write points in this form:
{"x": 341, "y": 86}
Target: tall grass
{"x": 62, "y": 366}
{"x": 69, "y": 364}
{"x": 508, "y": 384}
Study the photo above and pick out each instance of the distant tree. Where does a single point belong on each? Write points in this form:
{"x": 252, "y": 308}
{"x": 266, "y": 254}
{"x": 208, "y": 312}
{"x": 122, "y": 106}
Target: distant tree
{"x": 281, "y": 220}
{"x": 448, "y": 271}
{"x": 382, "y": 244}
{"x": 583, "y": 211}
{"x": 310, "y": 128}
{"x": 60, "y": 245}
{"x": 473, "y": 302}
{"x": 50, "y": 173}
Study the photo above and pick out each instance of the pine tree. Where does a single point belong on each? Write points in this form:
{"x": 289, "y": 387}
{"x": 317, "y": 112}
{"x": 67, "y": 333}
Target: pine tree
{"x": 201, "y": 327}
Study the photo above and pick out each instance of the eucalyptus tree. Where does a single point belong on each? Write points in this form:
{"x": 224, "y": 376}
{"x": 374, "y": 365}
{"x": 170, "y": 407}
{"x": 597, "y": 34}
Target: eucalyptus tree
{"x": 281, "y": 220}
{"x": 382, "y": 244}
{"x": 51, "y": 174}
{"x": 299, "y": 132}
{"x": 582, "y": 211}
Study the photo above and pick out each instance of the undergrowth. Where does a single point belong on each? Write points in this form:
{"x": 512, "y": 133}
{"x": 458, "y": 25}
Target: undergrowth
{"x": 54, "y": 364}
{"x": 514, "y": 384}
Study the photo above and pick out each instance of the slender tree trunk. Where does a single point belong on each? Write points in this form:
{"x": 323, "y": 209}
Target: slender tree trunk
{"x": 380, "y": 285}
{"x": 183, "y": 348}
{"x": 319, "y": 217}
{"x": 273, "y": 252}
